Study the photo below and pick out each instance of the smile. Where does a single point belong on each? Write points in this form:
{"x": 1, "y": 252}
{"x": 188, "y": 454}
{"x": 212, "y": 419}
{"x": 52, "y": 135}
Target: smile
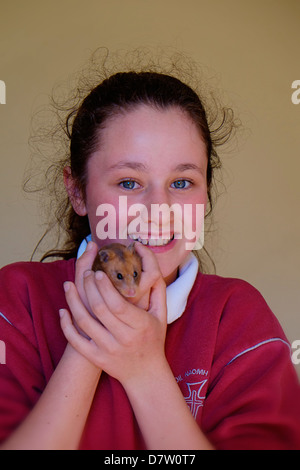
{"x": 151, "y": 241}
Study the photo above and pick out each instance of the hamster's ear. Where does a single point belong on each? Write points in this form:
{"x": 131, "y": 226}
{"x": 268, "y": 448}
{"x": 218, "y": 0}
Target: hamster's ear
{"x": 74, "y": 193}
{"x": 106, "y": 255}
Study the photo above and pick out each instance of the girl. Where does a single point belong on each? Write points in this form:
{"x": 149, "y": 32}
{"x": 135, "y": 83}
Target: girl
{"x": 194, "y": 361}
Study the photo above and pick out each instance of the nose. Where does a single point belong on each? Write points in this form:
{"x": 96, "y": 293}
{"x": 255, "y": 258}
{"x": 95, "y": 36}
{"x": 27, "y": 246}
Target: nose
{"x": 130, "y": 292}
{"x": 157, "y": 196}
{"x": 158, "y": 214}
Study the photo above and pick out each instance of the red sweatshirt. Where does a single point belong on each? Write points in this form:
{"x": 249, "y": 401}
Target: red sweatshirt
{"x": 228, "y": 353}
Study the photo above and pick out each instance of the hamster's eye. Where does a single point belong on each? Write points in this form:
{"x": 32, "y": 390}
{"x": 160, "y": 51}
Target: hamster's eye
{"x": 119, "y": 276}
{"x": 135, "y": 274}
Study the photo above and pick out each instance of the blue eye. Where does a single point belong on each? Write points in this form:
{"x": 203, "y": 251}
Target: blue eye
{"x": 181, "y": 184}
{"x": 128, "y": 184}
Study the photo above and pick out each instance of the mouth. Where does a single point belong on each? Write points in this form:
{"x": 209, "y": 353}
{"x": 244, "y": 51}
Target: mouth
{"x": 154, "y": 242}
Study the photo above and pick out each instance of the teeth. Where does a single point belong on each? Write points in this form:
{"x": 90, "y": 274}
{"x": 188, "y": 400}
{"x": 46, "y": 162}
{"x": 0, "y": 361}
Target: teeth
{"x": 151, "y": 241}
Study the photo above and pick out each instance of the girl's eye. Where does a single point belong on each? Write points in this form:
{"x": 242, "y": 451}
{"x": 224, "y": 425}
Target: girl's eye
{"x": 181, "y": 184}
{"x": 129, "y": 184}
{"x": 119, "y": 276}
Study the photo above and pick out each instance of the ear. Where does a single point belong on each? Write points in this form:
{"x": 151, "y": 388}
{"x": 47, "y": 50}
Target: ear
{"x": 74, "y": 193}
{"x": 106, "y": 255}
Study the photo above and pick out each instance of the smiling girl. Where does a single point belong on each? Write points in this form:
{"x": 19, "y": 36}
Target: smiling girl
{"x": 195, "y": 361}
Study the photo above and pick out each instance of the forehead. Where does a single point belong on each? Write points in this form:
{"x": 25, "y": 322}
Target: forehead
{"x": 146, "y": 135}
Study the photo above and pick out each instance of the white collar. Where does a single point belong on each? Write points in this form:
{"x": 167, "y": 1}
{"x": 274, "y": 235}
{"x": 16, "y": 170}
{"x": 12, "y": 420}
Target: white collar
{"x": 178, "y": 291}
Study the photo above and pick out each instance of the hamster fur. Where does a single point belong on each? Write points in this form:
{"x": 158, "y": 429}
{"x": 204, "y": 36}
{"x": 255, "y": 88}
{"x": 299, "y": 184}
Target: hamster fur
{"x": 123, "y": 266}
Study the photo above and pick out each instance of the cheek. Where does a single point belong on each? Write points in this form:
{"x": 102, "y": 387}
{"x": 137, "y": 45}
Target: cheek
{"x": 108, "y": 219}
{"x": 102, "y": 213}
{"x": 193, "y": 217}
{"x": 193, "y": 223}
{"x": 193, "y": 212}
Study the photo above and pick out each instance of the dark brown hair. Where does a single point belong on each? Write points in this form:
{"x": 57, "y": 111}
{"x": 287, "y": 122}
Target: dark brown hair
{"x": 117, "y": 93}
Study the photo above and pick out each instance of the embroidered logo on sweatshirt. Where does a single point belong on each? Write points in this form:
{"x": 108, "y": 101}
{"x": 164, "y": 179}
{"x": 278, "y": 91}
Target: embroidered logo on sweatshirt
{"x": 193, "y": 389}
{"x": 195, "y": 397}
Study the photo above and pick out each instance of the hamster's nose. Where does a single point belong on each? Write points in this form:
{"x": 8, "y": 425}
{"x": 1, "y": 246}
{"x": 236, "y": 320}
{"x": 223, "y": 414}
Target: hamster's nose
{"x": 131, "y": 292}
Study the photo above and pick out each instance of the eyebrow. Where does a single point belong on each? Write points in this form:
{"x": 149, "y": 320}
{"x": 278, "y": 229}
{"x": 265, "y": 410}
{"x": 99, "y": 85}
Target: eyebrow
{"x": 188, "y": 166}
{"x": 127, "y": 164}
{"x": 138, "y": 166}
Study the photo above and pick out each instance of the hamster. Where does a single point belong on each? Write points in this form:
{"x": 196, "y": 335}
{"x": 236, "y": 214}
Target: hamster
{"x": 123, "y": 266}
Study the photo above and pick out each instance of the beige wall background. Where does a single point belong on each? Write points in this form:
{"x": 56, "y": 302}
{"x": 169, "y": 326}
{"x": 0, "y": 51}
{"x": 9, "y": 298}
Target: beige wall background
{"x": 250, "y": 48}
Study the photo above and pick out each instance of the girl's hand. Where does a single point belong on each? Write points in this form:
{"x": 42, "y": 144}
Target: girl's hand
{"x": 85, "y": 263}
{"x": 125, "y": 339}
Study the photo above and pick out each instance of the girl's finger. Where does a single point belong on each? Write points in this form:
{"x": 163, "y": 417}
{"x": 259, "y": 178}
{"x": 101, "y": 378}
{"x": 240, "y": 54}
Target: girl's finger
{"x": 158, "y": 301}
{"x": 118, "y": 312}
{"x": 84, "y": 346}
{"x": 84, "y": 263}
{"x": 105, "y": 302}
{"x": 70, "y": 331}
{"x": 150, "y": 275}
{"x": 82, "y": 317}
{"x": 149, "y": 262}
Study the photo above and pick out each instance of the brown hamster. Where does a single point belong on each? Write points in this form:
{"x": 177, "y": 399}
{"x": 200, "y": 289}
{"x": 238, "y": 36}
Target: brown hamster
{"x": 123, "y": 266}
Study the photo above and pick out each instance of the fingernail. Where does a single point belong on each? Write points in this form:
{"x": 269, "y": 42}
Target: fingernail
{"x": 61, "y": 312}
{"x": 66, "y": 286}
{"x": 87, "y": 273}
{"x": 99, "y": 275}
{"x": 89, "y": 246}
